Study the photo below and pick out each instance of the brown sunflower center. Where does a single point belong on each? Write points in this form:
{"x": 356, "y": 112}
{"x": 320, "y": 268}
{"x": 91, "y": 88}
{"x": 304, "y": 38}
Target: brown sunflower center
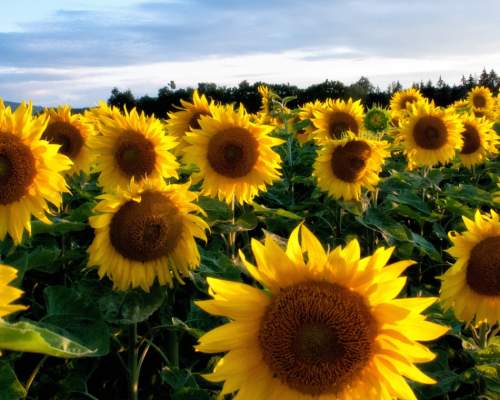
{"x": 317, "y": 336}
{"x": 135, "y": 155}
{"x": 430, "y": 133}
{"x": 479, "y": 101}
{"x": 147, "y": 230}
{"x": 483, "y": 269}
{"x": 17, "y": 168}
{"x": 233, "y": 152}
{"x": 341, "y": 122}
{"x": 472, "y": 140}
{"x": 349, "y": 161}
{"x": 66, "y": 135}
{"x": 407, "y": 100}
{"x": 194, "y": 122}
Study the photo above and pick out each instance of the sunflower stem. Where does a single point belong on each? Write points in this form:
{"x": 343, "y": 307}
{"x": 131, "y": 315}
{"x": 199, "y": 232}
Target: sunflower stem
{"x": 290, "y": 162}
{"x": 172, "y": 336}
{"x": 232, "y": 233}
{"x": 483, "y": 335}
{"x": 133, "y": 362}
{"x": 33, "y": 375}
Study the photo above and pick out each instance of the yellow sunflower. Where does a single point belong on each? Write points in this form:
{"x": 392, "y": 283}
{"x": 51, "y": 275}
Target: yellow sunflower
{"x": 345, "y": 166}
{"x": 430, "y": 135}
{"x": 480, "y": 140}
{"x": 97, "y": 114}
{"x": 400, "y": 101}
{"x": 31, "y": 171}
{"x": 8, "y": 294}
{"x": 72, "y": 132}
{"x": 306, "y": 113}
{"x": 336, "y": 118}
{"x": 180, "y": 122}
{"x": 132, "y": 145}
{"x": 326, "y": 326}
{"x": 472, "y": 285}
{"x": 146, "y": 232}
{"x": 481, "y": 100}
{"x": 460, "y": 106}
{"x": 235, "y": 156}
{"x": 264, "y": 116}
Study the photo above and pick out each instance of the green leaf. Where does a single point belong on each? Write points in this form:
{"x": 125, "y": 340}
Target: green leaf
{"x": 216, "y": 210}
{"x": 260, "y": 209}
{"x": 410, "y": 199}
{"x": 376, "y": 218}
{"x": 59, "y": 226}
{"x": 10, "y": 387}
{"x": 426, "y": 247}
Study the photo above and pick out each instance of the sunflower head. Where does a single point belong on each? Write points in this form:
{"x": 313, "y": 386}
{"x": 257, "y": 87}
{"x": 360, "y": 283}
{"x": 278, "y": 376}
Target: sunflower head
{"x": 8, "y": 293}
{"x": 235, "y": 156}
{"x": 472, "y": 285}
{"x": 402, "y": 100}
{"x": 377, "y": 119}
{"x": 481, "y": 100}
{"x": 326, "y": 325}
{"x": 265, "y": 114}
{"x": 146, "y": 232}
{"x": 479, "y": 140}
{"x": 306, "y": 113}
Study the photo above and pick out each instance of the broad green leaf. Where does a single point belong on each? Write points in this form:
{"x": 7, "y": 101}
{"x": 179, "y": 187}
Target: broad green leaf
{"x": 58, "y": 227}
{"x": 10, "y": 387}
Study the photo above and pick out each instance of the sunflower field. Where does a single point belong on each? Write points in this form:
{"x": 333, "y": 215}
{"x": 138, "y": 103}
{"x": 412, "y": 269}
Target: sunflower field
{"x": 322, "y": 252}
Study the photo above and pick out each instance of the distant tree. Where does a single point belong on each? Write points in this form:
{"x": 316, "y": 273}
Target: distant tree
{"x": 360, "y": 89}
{"x": 394, "y": 87}
{"x": 121, "y": 99}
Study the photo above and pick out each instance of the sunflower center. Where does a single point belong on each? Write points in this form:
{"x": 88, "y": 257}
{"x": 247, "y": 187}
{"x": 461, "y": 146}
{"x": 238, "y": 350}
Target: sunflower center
{"x": 472, "y": 140}
{"x": 349, "y": 161}
{"x": 341, "y": 122}
{"x": 17, "y": 168}
{"x": 479, "y": 101}
{"x": 483, "y": 269}
{"x": 66, "y": 135}
{"x": 430, "y": 133}
{"x": 233, "y": 152}
{"x": 407, "y": 100}
{"x": 147, "y": 230}
{"x": 317, "y": 336}
{"x": 194, "y": 122}
{"x": 135, "y": 155}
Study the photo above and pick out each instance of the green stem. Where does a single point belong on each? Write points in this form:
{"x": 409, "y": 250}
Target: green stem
{"x": 133, "y": 354}
{"x": 33, "y": 375}
{"x": 483, "y": 335}
{"x": 232, "y": 234}
{"x": 173, "y": 348}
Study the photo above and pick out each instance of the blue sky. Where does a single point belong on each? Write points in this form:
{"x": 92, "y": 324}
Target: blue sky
{"x": 75, "y": 51}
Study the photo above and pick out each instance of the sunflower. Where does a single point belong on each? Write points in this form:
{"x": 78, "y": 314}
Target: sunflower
{"x": 100, "y": 113}
{"x": 306, "y": 113}
{"x": 146, "y": 232}
{"x": 400, "y": 101}
{"x": 472, "y": 285}
{"x": 71, "y": 132}
{"x": 430, "y": 135}
{"x": 180, "y": 122}
{"x": 479, "y": 138}
{"x": 264, "y": 116}
{"x": 31, "y": 171}
{"x": 132, "y": 145}
{"x": 345, "y": 166}
{"x": 481, "y": 100}
{"x": 460, "y": 106}
{"x": 235, "y": 156}
{"x": 8, "y": 294}
{"x": 326, "y": 326}
{"x": 377, "y": 119}
{"x": 336, "y": 118}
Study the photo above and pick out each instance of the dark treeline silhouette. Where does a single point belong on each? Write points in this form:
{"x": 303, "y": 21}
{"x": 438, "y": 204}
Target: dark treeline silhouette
{"x": 169, "y": 96}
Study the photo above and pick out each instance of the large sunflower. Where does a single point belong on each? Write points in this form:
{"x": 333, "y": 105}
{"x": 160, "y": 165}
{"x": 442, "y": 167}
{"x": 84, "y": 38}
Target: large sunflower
{"x": 180, "y": 122}
{"x": 306, "y": 113}
{"x": 8, "y": 294}
{"x": 235, "y": 156}
{"x": 400, "y": 101}
{"x": 146, "y": 232}
{"x": 472, "y": 285}
{"x": 132, "y": 145}
{"x": 479, "y": 138}
{"x": 30, "y": 171}
{"x": 326, "y": 326}
{"x": 481, "y": 100}
{"x": 336, "y": 118}
{"x": 430, "y": 135}
{"x": 345, "y": 166}
{"x": 72, "y": 132}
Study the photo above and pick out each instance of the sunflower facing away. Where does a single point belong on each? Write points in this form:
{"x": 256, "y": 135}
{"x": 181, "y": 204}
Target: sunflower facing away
{"x": 481, "y": 100}
{"x": 472, "y": 285}
{"x": 31, "y": 171}
{"x": 336, "y": 118}
{"x": 377, "y": 119}
{"x": 400, "y": 101}
{"x": 264, "y": 116}
{"x": 146, "y": 232}
{"x": 345, "y": 166}
{"x": 71, "y": 132}
{"x": 430, "y": 135}
{"x": 235, "y": 156}
{"x": 326, "y": 326}
{"x": 187, "y": 118}
{"x": 480, "y": 140}
{"x": 8, "y": 294}
{"x": 307, "y": 113}
{"x": 132, "y": 145}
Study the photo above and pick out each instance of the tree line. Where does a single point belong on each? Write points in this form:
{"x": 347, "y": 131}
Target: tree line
{"x": 169, "y": 96}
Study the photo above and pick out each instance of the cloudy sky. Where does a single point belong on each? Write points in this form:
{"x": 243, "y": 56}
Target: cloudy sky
{"x": 75, "y": 51}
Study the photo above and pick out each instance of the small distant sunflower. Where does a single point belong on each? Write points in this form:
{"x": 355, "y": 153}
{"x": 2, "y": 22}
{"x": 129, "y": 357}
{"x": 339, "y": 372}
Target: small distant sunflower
{"x": 132, "y": 145}
{"x": 181, "y": 122}
{"x": 430, "y": 135}
{"x": 235, "y": 156}
{"x": 460, "y": 106}
{"x": 327, "y": 325}
{"x": 345, "y": 166}
{"x": 98, "y": 114}
{"x": 400, "y": 101}
{"x": 472, "y": 285}
{"x": 31, "y": 171}
{"x": 481, "y": 100}
{"x": 264, "y": 116}
{"x": 146, "y": 232}
{"x": 479, "y": 139}
{"x": 306, "y": 113}
{"x": 336, "y": 118}
{"x": 8, "y": 294}
{"x": 377, "y": 119}
{"x": 72, "y": 132}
